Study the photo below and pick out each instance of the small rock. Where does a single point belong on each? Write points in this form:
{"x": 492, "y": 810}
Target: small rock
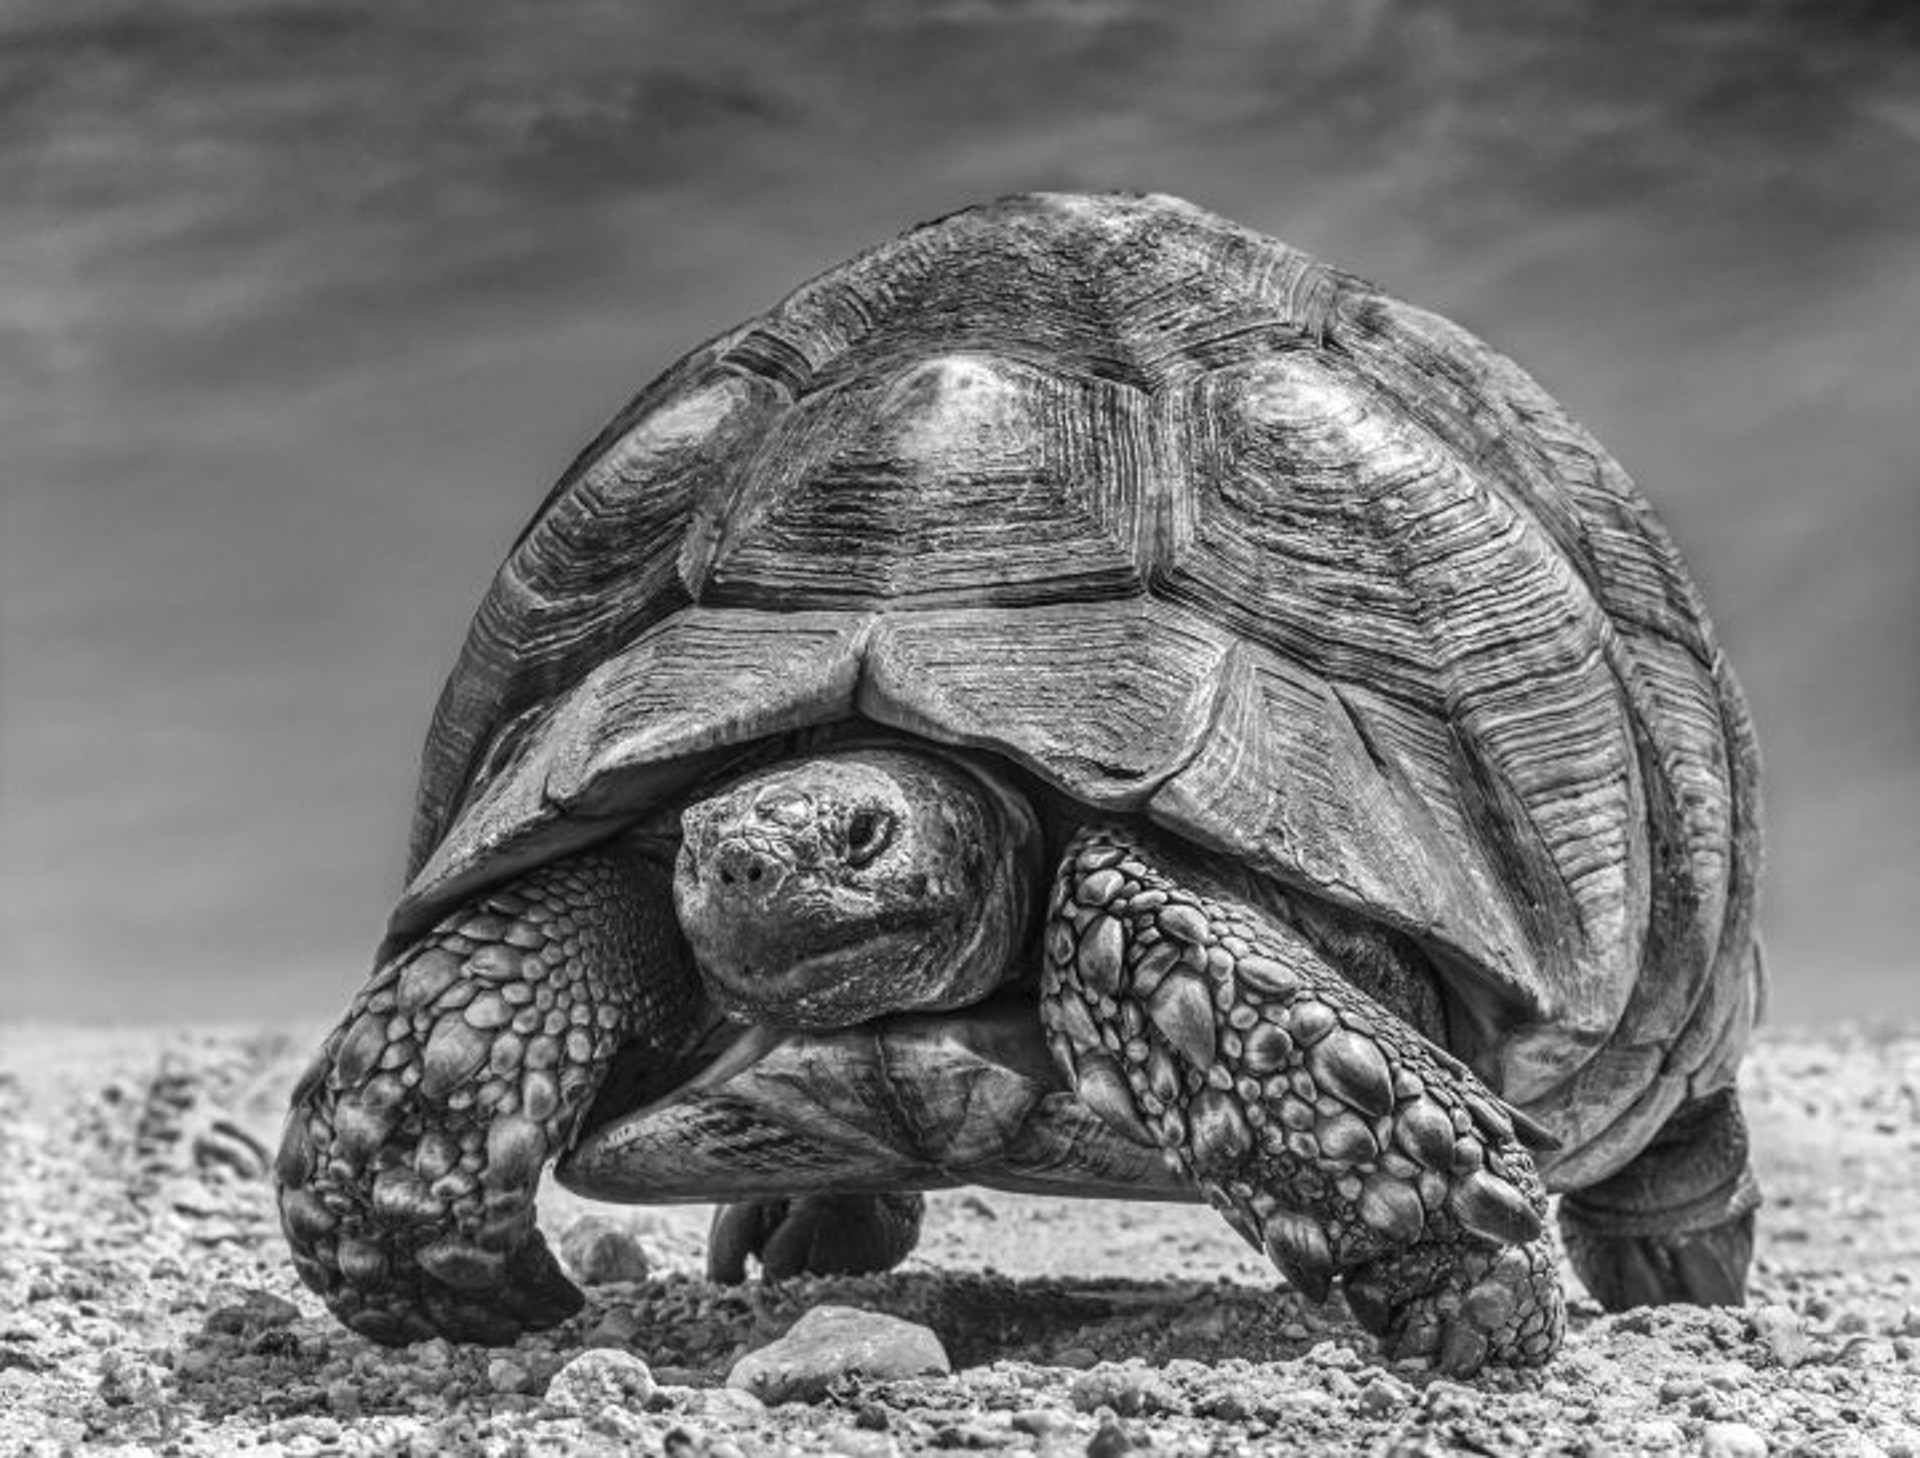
{"x": 1111, "y": 1439}
{"x": 1131, "y": 1389}
{"x": 599, "y": 1379}
{"x": 433, "y": 1356}
{"x": 1446, "y": 1400}
{"x": 1078, "y": 1358}
{"x": 836, "y": 1341}
{"x": 600, "y": 1252}
{"x": 322, "y": 1430}
{"x": 253, "y": 1311}
{"x": 1385, "y": 1394}
{"x": 506, "y": 1375}
{"x": 861, "y": 1443}
{"x": 1780, "y": 1329}
{"x": 1228, "y": 1404}
{"x": 1731, "y": 1440}
{"x": 1659, "y": 1434}
{"x": 716, "y": 1404}
{"x": 1040, "y": 1421}
{"x": 975, "y": 1434}
{"x": 1333, "y": 1354}
{"x": 129, "y": 1381}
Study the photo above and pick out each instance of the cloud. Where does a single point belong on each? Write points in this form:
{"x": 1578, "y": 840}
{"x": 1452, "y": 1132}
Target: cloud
{"x": 304, "y": 304}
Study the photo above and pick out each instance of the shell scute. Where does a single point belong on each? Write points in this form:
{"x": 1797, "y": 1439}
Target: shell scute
{"x": 1183, "y": 523}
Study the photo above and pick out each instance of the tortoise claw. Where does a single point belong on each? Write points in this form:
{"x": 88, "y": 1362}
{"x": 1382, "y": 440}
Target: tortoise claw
{"x": 1463, "y": 1307}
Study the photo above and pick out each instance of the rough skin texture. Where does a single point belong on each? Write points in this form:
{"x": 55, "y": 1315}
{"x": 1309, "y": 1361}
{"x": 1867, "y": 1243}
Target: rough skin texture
{"x": 1327, "y": 1132}
{"x": 416, "y": 1139}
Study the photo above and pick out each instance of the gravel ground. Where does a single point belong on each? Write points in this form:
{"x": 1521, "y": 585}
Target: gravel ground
{"x": 146, "y": 1304}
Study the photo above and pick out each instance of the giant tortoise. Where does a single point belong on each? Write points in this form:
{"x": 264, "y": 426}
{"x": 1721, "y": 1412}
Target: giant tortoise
{"x": 1080, "y": 698}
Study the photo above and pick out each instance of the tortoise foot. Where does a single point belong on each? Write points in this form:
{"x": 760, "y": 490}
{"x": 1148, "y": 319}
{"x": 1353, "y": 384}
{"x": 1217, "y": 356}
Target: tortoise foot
{"x": 814, "y": 1235}
{"x": 1463, "y": 1307}
{"x": 1676, "y": 1222}
{"x": 416, "y": 1141}
{"x": 1701, "y": 1267}
{"x": 1329, "y": 1133}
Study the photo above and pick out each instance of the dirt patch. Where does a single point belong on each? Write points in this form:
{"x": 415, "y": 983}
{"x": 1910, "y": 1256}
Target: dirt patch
{"x": 146, "y": 1301}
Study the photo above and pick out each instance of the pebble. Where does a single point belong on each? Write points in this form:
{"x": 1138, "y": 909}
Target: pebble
{"x": 600, "y": 1379}
{"x": 1659, "y": 1434}
{"x": 1731, "y": 1440}
{"x": 856, "y": 1442}
{"x": 1780, "y": 1329}
{"x": 1132, "y": 1389}
{"x": 716, "y": 1404}
{"x": 250, "y": 1310}
{"x": 1111, "y": 1438}
{"x": 836, "y": 1341}
{"x": 1040, "y": 1421}
{"x": 1447, "y": 1400}
{"x": 1384, "y": 1394}
{"x": 599, "y": 1252}
{"x": 506, "y": 1375}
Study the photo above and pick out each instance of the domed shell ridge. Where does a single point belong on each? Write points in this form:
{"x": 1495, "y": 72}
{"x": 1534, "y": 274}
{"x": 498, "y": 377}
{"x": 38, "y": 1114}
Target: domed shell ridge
{"x": 1308, "y": 575}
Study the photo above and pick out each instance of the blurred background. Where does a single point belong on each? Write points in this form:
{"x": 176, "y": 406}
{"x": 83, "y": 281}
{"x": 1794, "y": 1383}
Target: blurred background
{"x": 303, "y": 306}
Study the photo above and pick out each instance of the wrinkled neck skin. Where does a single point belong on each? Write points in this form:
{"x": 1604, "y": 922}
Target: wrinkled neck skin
{"x": 823, "y": 892}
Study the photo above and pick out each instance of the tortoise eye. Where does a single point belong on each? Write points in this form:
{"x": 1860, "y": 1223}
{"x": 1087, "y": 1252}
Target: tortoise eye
{"x": 868, "y": 833}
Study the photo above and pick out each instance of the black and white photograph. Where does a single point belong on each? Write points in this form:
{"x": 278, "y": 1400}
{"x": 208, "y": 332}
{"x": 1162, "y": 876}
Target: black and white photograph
{"x": 1030, "y": 726}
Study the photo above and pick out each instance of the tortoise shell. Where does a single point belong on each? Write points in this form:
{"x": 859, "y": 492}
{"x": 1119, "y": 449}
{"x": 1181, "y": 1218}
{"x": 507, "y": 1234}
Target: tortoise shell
{"x": 1185, "y": 525}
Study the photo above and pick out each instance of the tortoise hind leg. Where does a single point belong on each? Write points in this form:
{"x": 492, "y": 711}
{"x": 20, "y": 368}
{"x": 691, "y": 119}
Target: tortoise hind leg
{"x": 814, "y": 1235}
{"x": 1676, "y": 1223}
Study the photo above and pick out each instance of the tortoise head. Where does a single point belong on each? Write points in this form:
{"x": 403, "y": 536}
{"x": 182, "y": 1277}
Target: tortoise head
{"x": 825, "y": 891}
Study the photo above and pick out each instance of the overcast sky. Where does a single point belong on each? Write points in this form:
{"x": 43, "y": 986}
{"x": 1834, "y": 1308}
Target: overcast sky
{"x": 302, "y": 307}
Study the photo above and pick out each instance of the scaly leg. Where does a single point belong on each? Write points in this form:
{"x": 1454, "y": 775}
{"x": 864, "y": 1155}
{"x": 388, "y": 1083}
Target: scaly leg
{"x": 1329, "y": 1133}
{"x": 417, "y": 1138}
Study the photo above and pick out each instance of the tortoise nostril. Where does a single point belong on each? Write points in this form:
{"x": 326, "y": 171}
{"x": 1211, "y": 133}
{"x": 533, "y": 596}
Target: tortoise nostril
{"x": 739, "y": 864}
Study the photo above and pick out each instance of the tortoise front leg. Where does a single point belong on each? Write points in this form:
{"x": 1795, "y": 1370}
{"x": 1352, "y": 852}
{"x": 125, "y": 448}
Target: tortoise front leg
{"x": 416, "y": 1140}
{"x": 1329, "y": 1133}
